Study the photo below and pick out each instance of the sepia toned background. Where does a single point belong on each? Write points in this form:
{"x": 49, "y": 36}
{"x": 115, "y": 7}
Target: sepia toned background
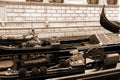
{"x": 70, "y": 18}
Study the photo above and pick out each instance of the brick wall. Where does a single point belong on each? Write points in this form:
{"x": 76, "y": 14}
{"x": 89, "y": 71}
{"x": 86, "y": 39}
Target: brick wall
{"x": 53, "y": 19}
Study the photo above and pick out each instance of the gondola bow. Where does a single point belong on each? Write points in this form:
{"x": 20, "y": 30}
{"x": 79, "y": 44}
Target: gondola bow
{"x": 111, "y": 26}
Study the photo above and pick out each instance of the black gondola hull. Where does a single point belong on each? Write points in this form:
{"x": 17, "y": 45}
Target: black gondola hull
{"x": 108, "y": 25}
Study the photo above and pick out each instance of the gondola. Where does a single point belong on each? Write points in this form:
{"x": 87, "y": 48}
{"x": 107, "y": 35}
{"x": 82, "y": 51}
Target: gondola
{"x": 50, "y": 56}
{"x": 111, "y": 26}
{"x": 51, "y": 60}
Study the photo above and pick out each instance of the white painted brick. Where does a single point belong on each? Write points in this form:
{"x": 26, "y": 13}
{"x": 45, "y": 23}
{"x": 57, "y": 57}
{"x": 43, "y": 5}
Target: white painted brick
{"x": 70, "y": 18}
{"x": 9, "y": 19}
{"x": 116, "y": 12}
{"x": 9, "y": 10}
{"x": 26, "y": 6}
{"x": 88, "y": 12}
{"x": 90, "y": 8}
{"x": 43, "y": 7}
{"x": 79, "y": 18}
{"x": 115, "y": 18}
{"x": 40, "y": 7}
{"x": 20, "y": 6}
{"x": 78, "y": 11}
{"x": 49, "y": 15}
{"x": 90, "y": 15}
{"x": 2, "y": 9}
{"x": 109, "y": 12}
{"x": 18, "y": 10}
{"x": 112, "y": 15}
{"x": 63, "y": 8}
{"x": 113, "y": 9}
{"x": 75, "y": 15}
{"x": 12, "y": 6}
{"x": 22, "y": 14}
{"x": 107, "y": 9}
{"x": 61, "y": 18}
{"x": 41, "y": 11}
{"x": 87, "y": 18}
{"x": 98, "y": 9}
{"x": 31, "y": 18}
{"x": 12, "y": 14}
{"x": 35, "y": 14}
{"x": 94, "y": 19}
{"x": 15, "y": 10}
{"x": 30, "y": 10}
{"x": 68, "y": 8}
{"x": 34, "y": 7}
{"x": 27, "y": 14}
{"x": 97, "y": 15}
{"x": 58, "y": 15}
{"x": 43, "y": 15}
{"x": 82, "y": 8}
{"x": 51, "y": 19}
{"x": 69, "y": 11}
{"x": 61, "y": 11}
{"x": 94, "y": 12}
{"x": 82, "y": 14}
{"x": 48, "y": 7}
{"x": 57, "y": 30}
{"x": 66, "y": 15}
{"x": 51, "y": 11}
